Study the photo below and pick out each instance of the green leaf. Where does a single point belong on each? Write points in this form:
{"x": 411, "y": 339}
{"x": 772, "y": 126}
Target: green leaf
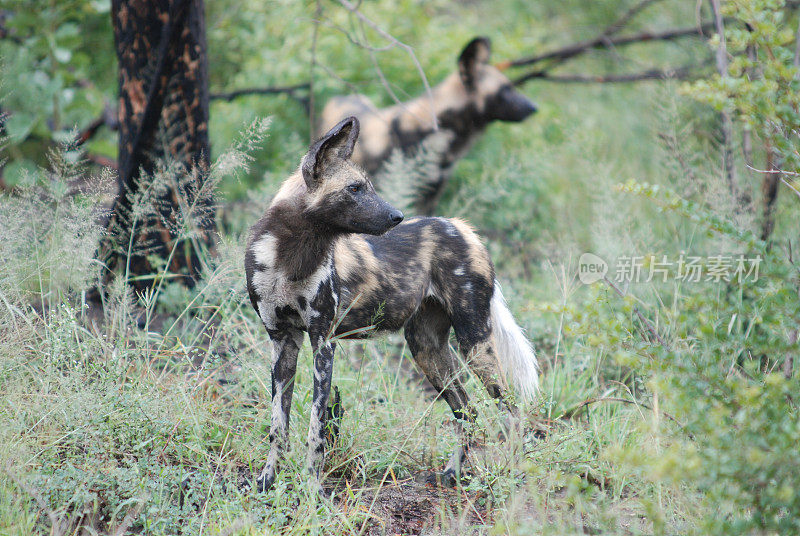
{"x": 20, "y": 124}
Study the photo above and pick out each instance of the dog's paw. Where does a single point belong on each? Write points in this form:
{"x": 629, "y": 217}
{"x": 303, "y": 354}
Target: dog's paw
{"x": 324, "y": 494}
{"x": 444, "y": 479}
{"x": 264, "y": 483}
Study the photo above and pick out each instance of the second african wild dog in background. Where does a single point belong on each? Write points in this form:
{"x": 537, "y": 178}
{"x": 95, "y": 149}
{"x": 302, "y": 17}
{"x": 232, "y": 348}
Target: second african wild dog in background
{"x": 327, "y": 244}
{"x": 464, "y": 104}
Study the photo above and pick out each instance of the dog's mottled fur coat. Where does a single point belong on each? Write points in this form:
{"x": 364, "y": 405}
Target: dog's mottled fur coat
{"x": 327, "y": 243}
{"x": 464, "y": 104}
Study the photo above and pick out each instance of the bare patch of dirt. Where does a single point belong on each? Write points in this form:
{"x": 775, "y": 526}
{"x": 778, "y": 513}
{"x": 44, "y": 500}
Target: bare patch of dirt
{"x": 410, "y": 507}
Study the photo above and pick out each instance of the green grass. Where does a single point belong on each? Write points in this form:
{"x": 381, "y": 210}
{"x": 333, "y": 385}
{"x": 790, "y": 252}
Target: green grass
{"x": 152, "y": 416}
{"x": 98, "y": 427}
{"x": 165, "y": 423}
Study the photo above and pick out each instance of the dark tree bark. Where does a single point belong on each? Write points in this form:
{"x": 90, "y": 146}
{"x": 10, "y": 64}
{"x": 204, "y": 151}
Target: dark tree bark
{"x": 769, "y": 191}
{"x": 162, "y": 219}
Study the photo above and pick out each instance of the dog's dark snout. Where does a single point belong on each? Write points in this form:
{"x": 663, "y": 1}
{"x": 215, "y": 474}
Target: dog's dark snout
{"x": 524, "y": 107}
{"x": 395, "y": 216}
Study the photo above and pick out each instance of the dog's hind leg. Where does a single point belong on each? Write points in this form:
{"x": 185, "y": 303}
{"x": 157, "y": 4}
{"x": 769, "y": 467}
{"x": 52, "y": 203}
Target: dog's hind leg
{"x": 427, "y": 333}
{"x": 477, "y": 347}
{"x": 472, "y": 328}
{"x": 285, "y": 347}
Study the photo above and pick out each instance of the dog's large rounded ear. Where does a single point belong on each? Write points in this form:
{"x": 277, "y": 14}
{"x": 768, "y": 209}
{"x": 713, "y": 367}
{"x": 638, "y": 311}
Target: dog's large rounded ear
{"x": 338, "y": 142}
{"x": 475, "y": 54}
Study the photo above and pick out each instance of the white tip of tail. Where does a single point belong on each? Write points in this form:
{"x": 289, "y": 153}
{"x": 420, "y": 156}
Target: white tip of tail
{"x": 514, "y": 350}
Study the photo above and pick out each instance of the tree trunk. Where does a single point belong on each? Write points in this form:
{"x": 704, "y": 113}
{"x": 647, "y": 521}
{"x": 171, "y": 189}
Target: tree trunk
{"x": 162, "y": 221}
{"x": 727, "y": 123}
{"x": 769, "y": 190}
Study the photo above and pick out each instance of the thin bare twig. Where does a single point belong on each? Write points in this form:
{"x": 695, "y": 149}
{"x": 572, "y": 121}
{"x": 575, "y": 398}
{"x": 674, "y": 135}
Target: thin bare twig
{"x": 315, "y": 35}
{"x": 269, "y": 90}
{"x": 352, "y": 8}
{"x": 572, "y": 411}
{"x": 795, "y": 190}
{"x": 780, "y": 173}
{"x": 626, "y": 17}
{"x": 374, "y": 59}
{"x": 772, "y": 170}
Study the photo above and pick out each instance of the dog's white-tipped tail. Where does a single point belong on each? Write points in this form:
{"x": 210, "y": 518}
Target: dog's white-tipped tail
{"x": 514, "y": 350}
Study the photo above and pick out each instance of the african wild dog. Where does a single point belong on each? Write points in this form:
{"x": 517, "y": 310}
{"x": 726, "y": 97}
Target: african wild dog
{"x": 327, "y": 243}
{"x": 464, "y": 104}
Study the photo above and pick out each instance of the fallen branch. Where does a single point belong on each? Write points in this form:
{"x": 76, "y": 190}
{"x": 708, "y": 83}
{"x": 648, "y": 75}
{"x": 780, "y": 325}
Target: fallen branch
{"x": 269, "y": 90}
{"x": 110, "y": 119}
{"x": 688, "y": 72}
{"x": 604, "y": 41}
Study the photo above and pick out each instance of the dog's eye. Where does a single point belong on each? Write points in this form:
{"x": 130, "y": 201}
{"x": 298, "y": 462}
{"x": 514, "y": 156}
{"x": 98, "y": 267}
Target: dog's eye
{"x": 354, "y": 188}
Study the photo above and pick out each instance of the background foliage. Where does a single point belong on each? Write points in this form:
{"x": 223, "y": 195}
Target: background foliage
{"x": 147, "y": 421}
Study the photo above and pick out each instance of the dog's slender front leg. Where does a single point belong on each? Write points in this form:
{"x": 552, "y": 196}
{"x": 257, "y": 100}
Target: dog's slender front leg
{"x": 285, "y": 347}
{"x": 323, "y": 370}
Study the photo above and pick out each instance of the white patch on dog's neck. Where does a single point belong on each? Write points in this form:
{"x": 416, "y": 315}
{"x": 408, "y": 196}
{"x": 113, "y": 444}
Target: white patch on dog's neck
{"x": 274, "y": 288}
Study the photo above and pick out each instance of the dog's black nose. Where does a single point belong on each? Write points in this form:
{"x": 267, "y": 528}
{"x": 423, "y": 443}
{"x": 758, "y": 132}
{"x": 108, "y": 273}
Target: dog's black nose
{"x": 525, "y": 109}
{"x": 395, "y": 216}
